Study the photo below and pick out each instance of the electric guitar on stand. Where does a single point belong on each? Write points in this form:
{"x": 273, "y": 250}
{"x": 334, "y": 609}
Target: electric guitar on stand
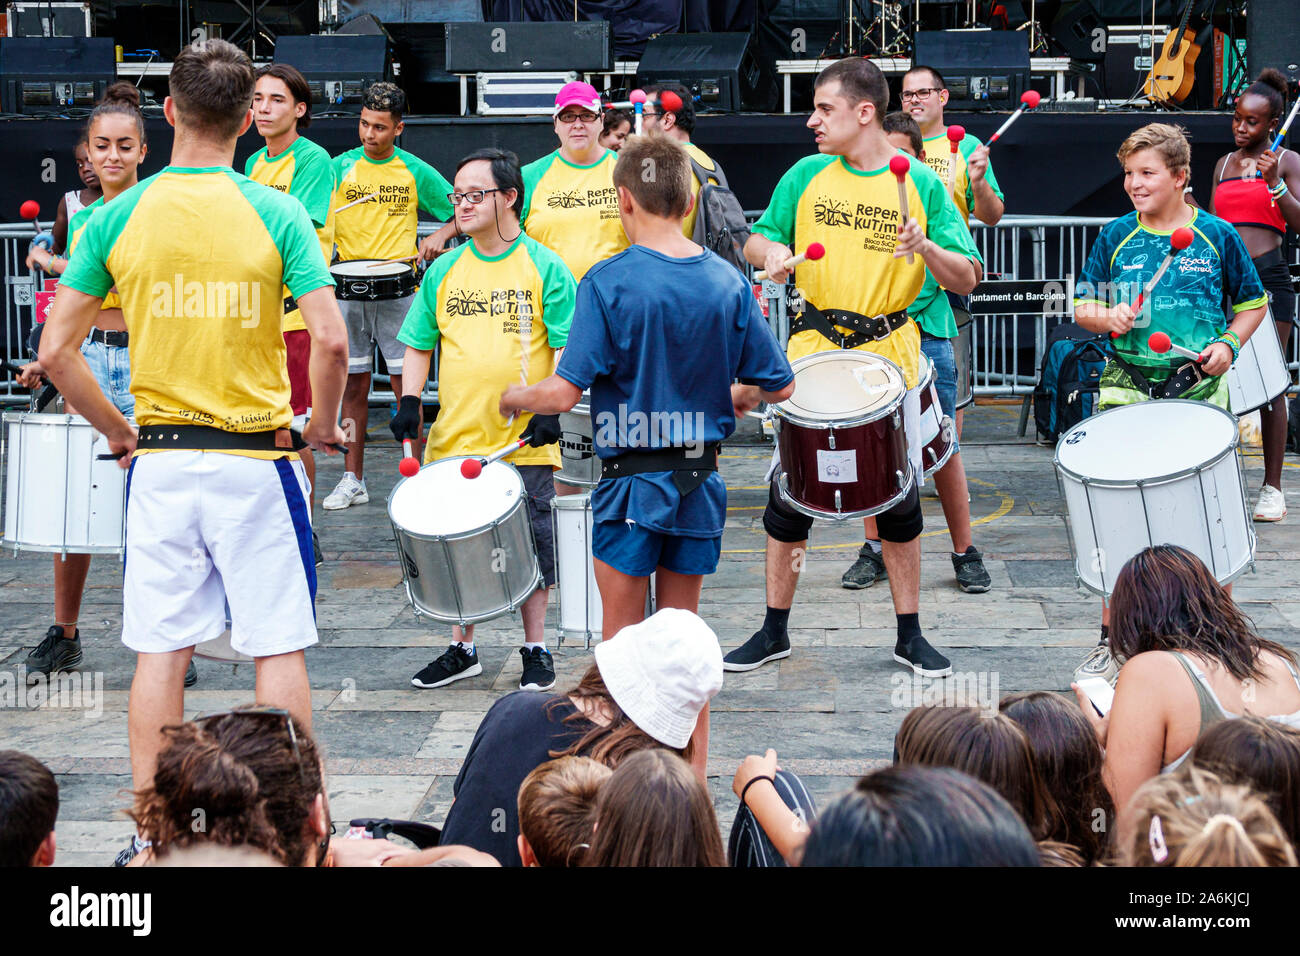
{"x": 1174, "y": 71}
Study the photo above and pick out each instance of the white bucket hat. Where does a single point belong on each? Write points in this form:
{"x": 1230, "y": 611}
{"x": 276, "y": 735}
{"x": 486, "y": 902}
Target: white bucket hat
{"x": 662, "y": 672}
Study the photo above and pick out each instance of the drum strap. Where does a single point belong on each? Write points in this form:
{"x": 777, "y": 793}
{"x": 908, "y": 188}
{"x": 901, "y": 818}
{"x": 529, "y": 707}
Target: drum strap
{"x": 691, "y": 467}
{"x": 289, "y": 304}
{"x": 866, "y": 328}
{"x": 1183, "y": 380}
{"x": 193, "y": 437}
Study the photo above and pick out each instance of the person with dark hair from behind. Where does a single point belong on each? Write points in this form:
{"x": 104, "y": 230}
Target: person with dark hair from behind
{"x": 655, "y": 811}
{"x": 1261, "y": 754}
{"x": 29, "y": 805}
{"x": 645, "y": 690}
{"x": 399, "y": 185}
{"x": 1191, "y": 658}
{"x": 617, "y": 125}
{"x": 679, "y": 125}
{"x": 992, "y": 748}
{"x": 557, "y": 808}
{"x": 295, "y": 165}
{"x": 919, "y": 816}
{"x": 531, "y": 294}
{"x": 1069, "y": 760}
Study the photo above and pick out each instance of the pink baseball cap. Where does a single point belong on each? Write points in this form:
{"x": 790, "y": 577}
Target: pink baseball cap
{"x": 577, "y": 93}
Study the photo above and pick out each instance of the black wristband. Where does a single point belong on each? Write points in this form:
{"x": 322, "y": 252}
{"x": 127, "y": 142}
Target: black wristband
{"x": 753, "y": 780}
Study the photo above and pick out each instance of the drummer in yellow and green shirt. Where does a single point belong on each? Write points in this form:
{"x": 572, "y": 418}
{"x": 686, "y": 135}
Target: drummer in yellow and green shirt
{"x": 499, "y": 308}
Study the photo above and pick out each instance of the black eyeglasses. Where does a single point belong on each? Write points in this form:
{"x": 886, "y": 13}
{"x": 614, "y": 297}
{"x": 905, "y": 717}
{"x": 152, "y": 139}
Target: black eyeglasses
{"x": 568, "y": 118}
{"x": 473, "y": 197}
{"x": 923, "y": 94}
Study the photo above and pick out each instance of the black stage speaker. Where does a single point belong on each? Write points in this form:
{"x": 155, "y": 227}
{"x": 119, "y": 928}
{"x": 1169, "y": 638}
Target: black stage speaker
{"x": 717, "y": 67}
{"x": 985, "y": 69}
{"x": 47, "y": 76}
{"x": 338, "y": 67}
{"x": 585, "y": 47}
{"x": 1081, "y": 33}
{"x": 1273, "y": 37}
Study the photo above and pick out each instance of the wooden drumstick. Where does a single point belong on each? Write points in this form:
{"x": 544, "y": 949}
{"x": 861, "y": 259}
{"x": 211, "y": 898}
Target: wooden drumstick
{"x": 955, "y": 135}
{"x": 814, "y": 252}
{"x": 356, "y": 202}
{"x": 899, "y": 166}
{"x": 389, "y": 262}
{"x": 1029, "y": 100}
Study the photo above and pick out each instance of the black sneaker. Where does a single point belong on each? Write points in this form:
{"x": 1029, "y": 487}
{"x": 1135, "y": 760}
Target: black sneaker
{"x": 454, "y": 665}
{"x": 539, "y": 669}
{"x": 922, "y": 658}
{"x": 132, "y": 850}
{"x": 315, "y": 549}
{"x": 54, "y": 653}
{"x": 757, "y": 651}
{"x": 191, "y": 674}
{"x": 866, "y": 571}
{"x": 971, "y": 576}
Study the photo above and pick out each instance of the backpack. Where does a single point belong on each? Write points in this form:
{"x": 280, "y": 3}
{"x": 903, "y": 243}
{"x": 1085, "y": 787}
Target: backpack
{"x": 720, "y": 224}
{"x": 1070, "y": 382}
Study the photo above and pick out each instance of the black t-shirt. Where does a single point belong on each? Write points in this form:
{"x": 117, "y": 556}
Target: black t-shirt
{"x": 516, "y": 735}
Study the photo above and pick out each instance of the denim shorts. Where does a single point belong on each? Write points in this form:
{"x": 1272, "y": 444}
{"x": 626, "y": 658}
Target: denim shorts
{"x": 629, "y": 548}
{"x": 940, "y": 353}
{"x": 111, "y": 367}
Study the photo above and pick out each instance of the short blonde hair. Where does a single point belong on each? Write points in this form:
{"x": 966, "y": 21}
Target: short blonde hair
{"x": 1168, "y": 140}
{"x": 557, "y": 807}
{"x": 1195, "y": 819}
{"x": 656, "y": 170}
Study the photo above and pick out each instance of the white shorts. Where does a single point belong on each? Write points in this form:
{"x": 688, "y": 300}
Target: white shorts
{"x": 204, "y": 529}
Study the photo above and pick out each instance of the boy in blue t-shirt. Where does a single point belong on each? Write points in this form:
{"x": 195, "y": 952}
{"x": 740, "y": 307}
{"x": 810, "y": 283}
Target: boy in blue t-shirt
{"x": 660, "y": 333}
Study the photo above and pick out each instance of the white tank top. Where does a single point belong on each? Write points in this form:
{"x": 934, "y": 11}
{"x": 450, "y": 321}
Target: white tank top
{"x": 72, "y": 202}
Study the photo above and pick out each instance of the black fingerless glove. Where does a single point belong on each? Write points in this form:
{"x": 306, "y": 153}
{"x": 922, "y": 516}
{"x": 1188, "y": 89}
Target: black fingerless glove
{"x": 542, "y": 430}
{"x": 409, "y": 418}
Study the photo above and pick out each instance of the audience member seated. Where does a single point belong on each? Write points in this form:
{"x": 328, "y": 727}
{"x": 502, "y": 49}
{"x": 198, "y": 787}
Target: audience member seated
{"x": 1191, "y": 658}
{"x": 1262, "y": 755}
{"x": 645, "y": 690}
{"x": 557, "y": 806}
{"x": 29, "y": 804}
{"x": 775, "y": 811}
{"x": 655, "y": 811}
{"x": 1193, "y": 818}
{"x": 919, "y": 816}
{"x": 1069, "y": 760}
{"x": 992, "y": 748}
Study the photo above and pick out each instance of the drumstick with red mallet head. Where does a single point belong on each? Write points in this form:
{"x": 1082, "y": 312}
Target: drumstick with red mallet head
{"x": 1029, "y": 100}
{"x": 473, "y": 467}
{"x": 1179, "y": 240}
{"x": 638, "y": 99}
{"x": 1160, "y": 343}
{"x": 955, "y": 135}
{"x": 814, "y": 252}
{"x": 30, "y": 210}
{"x": 409, "y": 465}
{"x": 899, "y": 166}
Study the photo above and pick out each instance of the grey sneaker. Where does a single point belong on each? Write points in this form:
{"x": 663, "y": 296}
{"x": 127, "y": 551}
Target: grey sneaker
{"x": 866, "y": 571}
{"x": 54, "y": 653}
{"x": 971, "y": 575}
{"x": 1100, "y": 663}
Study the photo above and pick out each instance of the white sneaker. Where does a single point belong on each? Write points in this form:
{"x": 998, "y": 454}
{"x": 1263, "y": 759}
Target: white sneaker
{"x": 349, "y": 491}
{"x": 1271, "y": 505}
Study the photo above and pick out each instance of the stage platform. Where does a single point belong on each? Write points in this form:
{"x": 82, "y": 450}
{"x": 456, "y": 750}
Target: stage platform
{"x": 831, "y": 710}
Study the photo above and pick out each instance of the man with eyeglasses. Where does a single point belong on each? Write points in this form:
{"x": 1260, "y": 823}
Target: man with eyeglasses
{"x": 497, "y": 304}
{"x": 679, "y": 124}
{"x": 570, "y": 203}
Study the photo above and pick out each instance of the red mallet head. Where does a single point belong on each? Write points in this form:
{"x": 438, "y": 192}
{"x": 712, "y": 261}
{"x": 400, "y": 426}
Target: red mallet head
{"x": 30, "y": 209}
{"x": 1031, "y": 98}
{"x": 814, "y": 251}
{"x": 409, "y": 467}
{"x": 670, "y": 101}
{"x": 637, "y": 96}
{"x": 899, "y": 165}
{"x": 955, "y": 135}
{"x": 1159, "y": 342}
{"x": 471, "y": 468}
{"x": 1181, "y": 238}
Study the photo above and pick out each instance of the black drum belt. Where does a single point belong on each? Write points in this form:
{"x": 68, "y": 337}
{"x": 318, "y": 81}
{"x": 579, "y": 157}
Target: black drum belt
{"x": 289, "y": 304}
{"x": 866, "y": 328}
{"x": 691, "y": 467}
{"x": 191, "y": 437}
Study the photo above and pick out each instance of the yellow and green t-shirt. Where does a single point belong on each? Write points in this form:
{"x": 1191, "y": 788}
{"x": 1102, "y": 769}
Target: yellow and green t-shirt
{"x": 306, "y": 172}
{"x": 75, "y": 227}
{"x": 938, "y": 154}
{"x": 854, "y": 214}
{"x": 385, "y": 227}
{"x": 200, "y": 258}
{"x": 573, "y": 210}
{"x": 483, "y": 309}
{"x": 703, "y": 158}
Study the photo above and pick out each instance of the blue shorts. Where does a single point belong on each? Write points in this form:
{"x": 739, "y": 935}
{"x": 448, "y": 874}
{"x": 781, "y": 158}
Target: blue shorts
{"x": 111, "y": 366}
{"x": 636, "y": 551}
{"x": 940, "y": 353}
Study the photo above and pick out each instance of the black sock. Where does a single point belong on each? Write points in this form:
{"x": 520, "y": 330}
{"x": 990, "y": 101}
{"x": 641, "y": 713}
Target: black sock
{"x": 775, "y": 621}
{"x": 909, "y": 626}
{"x": 1105, "y": 634}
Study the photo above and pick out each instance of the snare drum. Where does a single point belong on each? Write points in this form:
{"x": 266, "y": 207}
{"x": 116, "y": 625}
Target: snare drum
{"x": 59, "y": 496}
{"x": 963, "y": 349}
{"x": 1259, "y": 374}
{"x": 936, "y": 427}
{"x": 1163, "y": 472}
{"x": 466, "y": 544}
{"x": 579, "y": 465}
{"x": 841, "y": 436}
{"x": 364, "y": 280}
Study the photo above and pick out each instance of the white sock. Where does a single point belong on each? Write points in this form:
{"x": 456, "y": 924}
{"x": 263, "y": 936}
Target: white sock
{"x": 875, "y": 545}
{"x": 529, "y": 645}
{"x": 466, "y": 646}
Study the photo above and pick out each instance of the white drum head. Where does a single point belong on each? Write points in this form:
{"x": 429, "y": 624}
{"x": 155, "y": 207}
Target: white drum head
{"x": 833, "y": 386}
{"x": 440, "y": 501}
{"x": 367, "y": 268}
{"x": 1146, "y": 441}
{"x": 925, "y": 372}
